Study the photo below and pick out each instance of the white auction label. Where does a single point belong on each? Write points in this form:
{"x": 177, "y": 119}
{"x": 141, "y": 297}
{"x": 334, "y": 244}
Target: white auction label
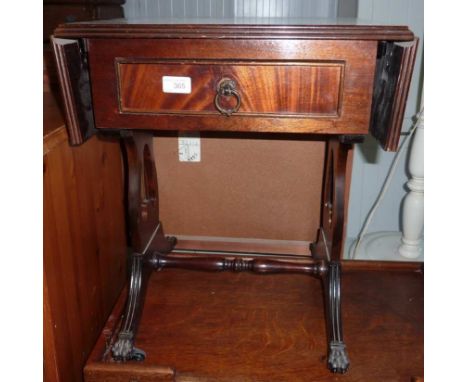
{"x": 181, "y": 85}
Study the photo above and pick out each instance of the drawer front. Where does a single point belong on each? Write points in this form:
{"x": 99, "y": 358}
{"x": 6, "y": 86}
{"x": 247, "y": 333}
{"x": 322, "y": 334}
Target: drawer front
{"x": 299, "y": 86}
{"x": 181, "y": 87}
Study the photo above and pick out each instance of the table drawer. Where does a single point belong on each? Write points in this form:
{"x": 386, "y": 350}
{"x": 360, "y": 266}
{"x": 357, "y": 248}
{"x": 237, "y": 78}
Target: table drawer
{"x": 261, "y": 89}
{"x": 300, "y": 86}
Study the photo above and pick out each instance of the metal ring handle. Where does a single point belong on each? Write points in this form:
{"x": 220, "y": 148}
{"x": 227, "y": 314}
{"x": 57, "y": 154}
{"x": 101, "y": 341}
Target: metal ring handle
{"x": 226, "y": 88}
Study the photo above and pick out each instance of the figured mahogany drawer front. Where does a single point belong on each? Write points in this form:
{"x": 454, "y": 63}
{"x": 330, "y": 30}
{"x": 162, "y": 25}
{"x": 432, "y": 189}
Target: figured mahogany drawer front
{"x": 295, "y": 89}
{"x": 287, "y": 86}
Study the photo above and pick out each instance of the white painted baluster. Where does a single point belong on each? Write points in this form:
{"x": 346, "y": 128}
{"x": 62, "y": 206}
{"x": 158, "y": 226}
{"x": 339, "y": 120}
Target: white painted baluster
{"x": 409, "y": 244}
{"x": 413, "y": 204}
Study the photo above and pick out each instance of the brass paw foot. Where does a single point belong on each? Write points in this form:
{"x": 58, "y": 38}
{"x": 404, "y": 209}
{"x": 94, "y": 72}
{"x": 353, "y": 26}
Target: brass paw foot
{"x": 338, "y": 361}
{"x": 123, "y": 349}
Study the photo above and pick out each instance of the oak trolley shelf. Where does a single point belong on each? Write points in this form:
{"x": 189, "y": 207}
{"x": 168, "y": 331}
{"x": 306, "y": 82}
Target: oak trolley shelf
{"x": 131, "y": 77}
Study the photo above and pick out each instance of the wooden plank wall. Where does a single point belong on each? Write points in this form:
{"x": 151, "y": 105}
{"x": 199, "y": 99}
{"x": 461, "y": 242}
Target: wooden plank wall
{"x": 84, "y": 245}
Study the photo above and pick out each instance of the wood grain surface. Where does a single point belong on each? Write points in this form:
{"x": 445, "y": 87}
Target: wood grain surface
{"x": 73, "y": 75}
{"x": 394, "y": 70}
{"x": 239, "y": 28}
{"x": 84, "y": 248}
{"x": 353, "y": 43}
{"x": 240, "y": 327}
{"x": 56, "y": 12}
{"x": 264, "y": 88}
{"x": 356, "y": 84}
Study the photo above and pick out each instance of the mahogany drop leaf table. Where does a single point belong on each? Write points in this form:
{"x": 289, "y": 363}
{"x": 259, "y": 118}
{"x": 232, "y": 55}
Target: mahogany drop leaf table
{"x": 339, "y": 81}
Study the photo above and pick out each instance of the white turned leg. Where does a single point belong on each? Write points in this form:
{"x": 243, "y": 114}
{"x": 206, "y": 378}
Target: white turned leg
{"x": 413, "y": 204}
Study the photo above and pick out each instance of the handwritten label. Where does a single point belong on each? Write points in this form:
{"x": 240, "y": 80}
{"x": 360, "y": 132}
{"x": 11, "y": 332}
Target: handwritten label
{"x": 189, "y": 146}
{"x": 180, "y": 85}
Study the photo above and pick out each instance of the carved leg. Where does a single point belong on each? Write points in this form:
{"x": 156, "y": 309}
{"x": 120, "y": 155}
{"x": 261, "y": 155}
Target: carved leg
{"x": 338, "y": 361}
{"x": 123, "y": 348}
{"x": 330, "y": 247}
{"x": 146, "y": 236}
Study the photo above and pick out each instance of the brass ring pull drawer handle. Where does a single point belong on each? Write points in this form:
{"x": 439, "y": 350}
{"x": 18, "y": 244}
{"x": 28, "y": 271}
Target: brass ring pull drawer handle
{"x": 227, "y": 88}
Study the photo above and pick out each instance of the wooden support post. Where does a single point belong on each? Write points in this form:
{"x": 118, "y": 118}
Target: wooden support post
{"x": 146, "y": 236}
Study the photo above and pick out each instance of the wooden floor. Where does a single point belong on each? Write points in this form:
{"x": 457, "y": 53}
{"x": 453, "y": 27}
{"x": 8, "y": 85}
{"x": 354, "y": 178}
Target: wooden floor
{"x": 240, "y": 327}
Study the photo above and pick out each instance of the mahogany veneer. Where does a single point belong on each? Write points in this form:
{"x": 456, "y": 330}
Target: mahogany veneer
{"x": 309, "y": 89}
{"x": 128, "y": 96}
{"x": 331, "y": 94}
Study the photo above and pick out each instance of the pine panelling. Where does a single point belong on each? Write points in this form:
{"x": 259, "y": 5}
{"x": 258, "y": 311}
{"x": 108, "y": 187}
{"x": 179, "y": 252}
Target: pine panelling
{"x": 84, "y": 249}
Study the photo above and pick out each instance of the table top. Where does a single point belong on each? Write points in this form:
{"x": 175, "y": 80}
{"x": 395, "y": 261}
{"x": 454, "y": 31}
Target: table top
{"x": 351, "y": 42}
{"x": 294, "y": 28}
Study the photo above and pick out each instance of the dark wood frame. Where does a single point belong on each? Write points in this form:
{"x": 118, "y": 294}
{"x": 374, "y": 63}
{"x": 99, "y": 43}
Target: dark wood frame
{"x": 152, "y": 249}
{"x": 72, "y": 69}
{"x": 395, "y": 63}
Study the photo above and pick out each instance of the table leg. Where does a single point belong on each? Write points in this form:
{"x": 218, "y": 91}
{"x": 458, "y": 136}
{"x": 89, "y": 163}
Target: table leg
{"x": 338, "y": 361}
{"x": 146, "y": 236}
{"x": 330, "y": 243}
{"x": 329, "y": 246}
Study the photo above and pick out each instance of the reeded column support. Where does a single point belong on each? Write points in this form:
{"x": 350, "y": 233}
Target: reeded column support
{"x": 123, "y": 349}
{"x": 338, "y": 360}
